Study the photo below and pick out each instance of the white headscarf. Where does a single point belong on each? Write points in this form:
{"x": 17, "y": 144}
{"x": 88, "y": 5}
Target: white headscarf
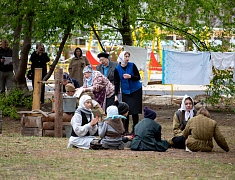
{"x": 112, "y": 112}
{"x": 121, "y": 57}
{"x": 188, "y": 114}
{"x": 81, "y": 106}
{"x": 83, "y": 99}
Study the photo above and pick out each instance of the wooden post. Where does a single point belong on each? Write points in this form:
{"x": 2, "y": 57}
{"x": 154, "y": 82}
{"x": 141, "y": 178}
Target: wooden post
{"x": 58, "y": 102}
{"x": 37, "y": 88}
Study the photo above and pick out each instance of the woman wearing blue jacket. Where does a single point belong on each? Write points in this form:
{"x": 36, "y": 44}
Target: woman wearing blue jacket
{"x": 126, "y": 76}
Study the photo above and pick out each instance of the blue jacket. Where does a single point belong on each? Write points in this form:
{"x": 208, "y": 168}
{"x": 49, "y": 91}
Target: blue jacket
{"x": 128, "y": 86}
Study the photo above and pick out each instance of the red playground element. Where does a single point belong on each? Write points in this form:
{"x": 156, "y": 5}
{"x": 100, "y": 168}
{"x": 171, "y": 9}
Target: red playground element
{"x": 92, "y": 60}
{"x": 154, "y": 64}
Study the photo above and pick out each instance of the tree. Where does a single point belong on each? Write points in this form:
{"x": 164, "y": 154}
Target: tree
{"x": 41, "y": 21}
{"x": 54, "y": 21}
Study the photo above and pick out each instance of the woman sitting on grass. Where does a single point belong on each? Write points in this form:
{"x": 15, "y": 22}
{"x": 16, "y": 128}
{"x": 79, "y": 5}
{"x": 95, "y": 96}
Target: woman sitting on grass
{"x": 199, "y": 132}
{"x": 148, "y": 134}
{"x": 84, "y": 125}
{"x": 112, "y": 129}
{"x": 180, "y": 120}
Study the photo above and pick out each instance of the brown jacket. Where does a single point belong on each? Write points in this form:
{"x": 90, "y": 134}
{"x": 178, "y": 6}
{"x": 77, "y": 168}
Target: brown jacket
{"x": 76, "y": 67}
{"x": 177, "y": 131}
{"x": 199, "y": 132}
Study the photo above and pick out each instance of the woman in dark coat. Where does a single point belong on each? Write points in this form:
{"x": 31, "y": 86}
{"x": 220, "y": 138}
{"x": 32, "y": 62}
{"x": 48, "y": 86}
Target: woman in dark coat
{"x": 39, "y": 59}
{"x": 127, "y": 76}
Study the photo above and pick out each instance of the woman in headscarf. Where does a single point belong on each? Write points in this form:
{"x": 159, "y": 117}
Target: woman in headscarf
{"x": 111, "y": 130}
{"x": 127, "y": 76}
{"x": 84, "y": 125}
{"x": 101, "y": 87}
{"x": 180, "y": 120}
{"x": 77, "y": 65}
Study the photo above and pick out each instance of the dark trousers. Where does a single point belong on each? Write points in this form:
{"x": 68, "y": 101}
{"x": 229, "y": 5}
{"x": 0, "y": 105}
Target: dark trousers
{"x": 135, "y": 118}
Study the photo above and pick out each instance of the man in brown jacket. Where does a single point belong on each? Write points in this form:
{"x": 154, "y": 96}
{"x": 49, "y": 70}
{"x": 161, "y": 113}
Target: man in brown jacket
{"x": 199, "y": 132}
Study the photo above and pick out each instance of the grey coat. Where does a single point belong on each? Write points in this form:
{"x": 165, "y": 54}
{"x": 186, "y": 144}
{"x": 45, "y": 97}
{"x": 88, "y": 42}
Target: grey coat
{"x": 110, "y": 74}
{"x": 148, "y": 137}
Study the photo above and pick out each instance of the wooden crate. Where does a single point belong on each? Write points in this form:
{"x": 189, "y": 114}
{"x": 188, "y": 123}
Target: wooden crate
{"x": 31, "y": 124}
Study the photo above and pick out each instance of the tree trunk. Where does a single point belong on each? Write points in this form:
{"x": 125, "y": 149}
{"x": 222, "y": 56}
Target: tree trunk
{"x": 21, "y": 70}
{"x": 52, "y": 68}
{"x": 126, "y": 31}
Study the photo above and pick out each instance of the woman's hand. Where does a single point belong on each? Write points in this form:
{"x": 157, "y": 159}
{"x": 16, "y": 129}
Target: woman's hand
{"x": 94, "y": 121}
{"x": 99, "y": 119}
{"x": 126, "y": 76}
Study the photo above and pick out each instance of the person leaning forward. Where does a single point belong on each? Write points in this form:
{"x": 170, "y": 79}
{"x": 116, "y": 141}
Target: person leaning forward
{"x": 106, "y": 67}
{"x": 199, "y": 132}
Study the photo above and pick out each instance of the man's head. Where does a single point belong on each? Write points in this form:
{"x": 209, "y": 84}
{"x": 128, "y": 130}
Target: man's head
{"x": 103, "y": 57}
{"x": 5, "y": 44}
{"x": 204, "y": 112}
{"x": 65, "y": 78}
{"x": 40, "y": 48}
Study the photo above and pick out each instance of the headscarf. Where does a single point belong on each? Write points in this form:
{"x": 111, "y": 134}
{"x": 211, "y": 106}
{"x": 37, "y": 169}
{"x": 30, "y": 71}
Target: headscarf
{"x": 188, "y": 114}
{"x": 87, "y": 68}
{"x": 121, "y": 57}
{"x": 112, "y": 112}
{"x": 81, "y": 105}
{"x": 88, "y": 81}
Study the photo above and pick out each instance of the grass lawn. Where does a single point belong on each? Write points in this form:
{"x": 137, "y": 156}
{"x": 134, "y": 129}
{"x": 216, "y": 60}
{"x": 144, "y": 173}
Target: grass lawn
{"x": 24, "y": 157}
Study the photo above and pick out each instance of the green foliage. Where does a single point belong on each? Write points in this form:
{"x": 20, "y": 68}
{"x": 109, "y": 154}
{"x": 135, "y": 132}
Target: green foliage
{"x": 15, "y": 99}
{"x": 222, "y": 86}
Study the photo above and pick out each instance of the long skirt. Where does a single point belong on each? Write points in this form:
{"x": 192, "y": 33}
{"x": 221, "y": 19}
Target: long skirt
{"x": 134, "y": 100}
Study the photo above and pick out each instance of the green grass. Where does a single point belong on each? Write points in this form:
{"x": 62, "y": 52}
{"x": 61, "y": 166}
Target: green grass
{"x": 48, "y": 158}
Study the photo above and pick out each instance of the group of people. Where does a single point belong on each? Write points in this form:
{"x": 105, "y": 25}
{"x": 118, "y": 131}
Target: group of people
{"x": 110, "y": 94}
{"x": 193, "y": 131}
{"x": 110, "y": 82}
{"x": 107, "y": 132}
{"x": 119, "y": 81}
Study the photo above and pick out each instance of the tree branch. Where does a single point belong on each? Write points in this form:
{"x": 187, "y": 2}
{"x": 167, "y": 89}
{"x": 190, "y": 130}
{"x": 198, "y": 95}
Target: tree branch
{"x": 98, "y": 38}
{"x": 61, "y": 47}
{"x": 190, "y": 36}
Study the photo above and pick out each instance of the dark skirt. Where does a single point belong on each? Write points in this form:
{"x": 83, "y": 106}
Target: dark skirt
{"x": 134, "y": 100}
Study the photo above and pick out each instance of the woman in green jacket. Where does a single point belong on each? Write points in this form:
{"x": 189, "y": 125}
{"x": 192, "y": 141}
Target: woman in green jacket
{"x": 199, "y": 132}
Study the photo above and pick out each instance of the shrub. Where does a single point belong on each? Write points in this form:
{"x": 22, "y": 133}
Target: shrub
{"x": 15, "y": 99}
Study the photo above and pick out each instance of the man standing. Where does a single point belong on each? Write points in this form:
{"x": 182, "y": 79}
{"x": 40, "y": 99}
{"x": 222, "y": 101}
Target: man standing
{"x": 106, "y": 67}
{"x": 6, "y": 67}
